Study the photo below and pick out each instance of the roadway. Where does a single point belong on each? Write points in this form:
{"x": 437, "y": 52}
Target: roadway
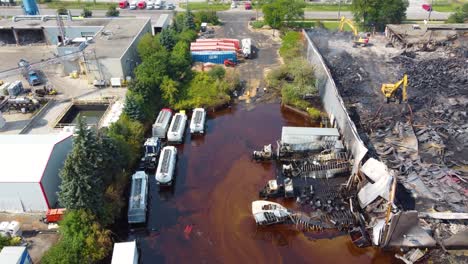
{"x": 413, "y": 13}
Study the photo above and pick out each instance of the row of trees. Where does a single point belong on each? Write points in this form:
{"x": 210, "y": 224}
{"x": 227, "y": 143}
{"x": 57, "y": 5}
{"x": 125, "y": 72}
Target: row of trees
{"x": 368, "y": 13}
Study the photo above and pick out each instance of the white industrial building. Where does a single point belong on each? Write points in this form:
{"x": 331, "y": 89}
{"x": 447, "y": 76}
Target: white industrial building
{"x": 29, "y": 170}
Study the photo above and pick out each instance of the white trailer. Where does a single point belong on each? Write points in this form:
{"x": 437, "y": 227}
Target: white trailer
{"x": 197, "y": 123}
{"x": 247, "y": 47}
{"x": 138, "y": 198}
{"x": 166, "y": 166}
{"x": 177, "y": 128}
{"x": 161, "y": 124}
{"x": 125, "y": 253}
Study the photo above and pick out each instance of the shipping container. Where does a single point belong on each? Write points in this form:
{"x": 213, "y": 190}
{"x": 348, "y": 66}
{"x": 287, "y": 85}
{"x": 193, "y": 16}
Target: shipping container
{"x": 209, "y": 43}
{"x": 161, "y": 124}
{"x": 197, "y": 123}
{"x": 138, "y": 198}
{"x": 166, "y": 166}
{"x": 236, "y": 42}
{"x": 217, "y": 57}
{"x": 177, "y": 128}
{"x": 213, "y": 48}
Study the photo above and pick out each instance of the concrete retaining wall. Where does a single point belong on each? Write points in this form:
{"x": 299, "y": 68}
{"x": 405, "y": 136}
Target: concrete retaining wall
{"x": 334, "y": 105}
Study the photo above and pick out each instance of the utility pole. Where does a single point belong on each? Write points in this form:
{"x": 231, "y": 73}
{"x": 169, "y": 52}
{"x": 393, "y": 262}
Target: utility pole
{"x": 339, "y": 9}
{"x": 430, "y": 11}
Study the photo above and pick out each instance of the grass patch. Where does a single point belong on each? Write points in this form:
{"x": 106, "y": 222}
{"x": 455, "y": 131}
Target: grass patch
{"x": 313, "y": 112}
{"x": 206, "y": 6}
{"x": 447, "y": 5}
{"x": 327, "y": 7}
{"x": 257, "y": 24}
{"x": 80, "y": 5}
{"x": 330, "y": 25}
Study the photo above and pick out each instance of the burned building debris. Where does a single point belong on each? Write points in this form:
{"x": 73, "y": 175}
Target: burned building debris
{"x": 399, "y": 171}
{"x": 416, "y": 163}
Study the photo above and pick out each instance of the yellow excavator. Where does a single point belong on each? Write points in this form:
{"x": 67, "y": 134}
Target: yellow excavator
{"x": 358, "y": 40}
{"x": 396, "y": 91}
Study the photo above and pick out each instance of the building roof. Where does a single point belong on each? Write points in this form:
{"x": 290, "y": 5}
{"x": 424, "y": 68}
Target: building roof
{"x": 114, "y": 37}
{"x": 25, "y": 157}
{"x": 11, "y": 254}
{"x": 124, "y": 253}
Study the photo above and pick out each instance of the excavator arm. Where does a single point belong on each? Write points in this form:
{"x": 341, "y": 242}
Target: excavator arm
{"x": 390, "y": 89}
{"x": 348, "y": 22}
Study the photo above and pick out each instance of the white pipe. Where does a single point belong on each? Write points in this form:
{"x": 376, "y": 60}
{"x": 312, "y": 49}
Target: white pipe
{"x": 43, "y": 18}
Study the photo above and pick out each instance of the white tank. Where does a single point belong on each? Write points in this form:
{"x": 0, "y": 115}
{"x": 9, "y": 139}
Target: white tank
{"x": 177, "y": 128}
{"x": 166, "y": 166}
{"x": 162, "y": 122}
{"x": 197, "y": 123}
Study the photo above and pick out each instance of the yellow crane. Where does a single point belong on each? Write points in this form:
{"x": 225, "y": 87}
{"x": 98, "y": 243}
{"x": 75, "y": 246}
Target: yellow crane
{"x": 395, "y": 91}
{"x": 358, "y": 40}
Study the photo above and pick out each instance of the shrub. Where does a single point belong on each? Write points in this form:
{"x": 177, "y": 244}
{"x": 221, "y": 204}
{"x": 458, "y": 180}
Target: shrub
{"x": 217, "y": 72}
{"x": 314, "y": 113}
{"x": 112, "y": 11}
{"x": 257, "y": 24}
{"x": 87, "y": 12}
{"x": 62, "y": 11}
{"x": 207, "y": 16}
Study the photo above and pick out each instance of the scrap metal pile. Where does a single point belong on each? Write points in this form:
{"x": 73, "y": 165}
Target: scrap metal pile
{"x": 423, "y": 144}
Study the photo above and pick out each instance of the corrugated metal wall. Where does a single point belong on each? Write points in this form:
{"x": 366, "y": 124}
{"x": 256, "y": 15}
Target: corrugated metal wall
{"x": 20, "y": 197}
{"x": 50, "y": 179}
{"x": 334, "y": 105}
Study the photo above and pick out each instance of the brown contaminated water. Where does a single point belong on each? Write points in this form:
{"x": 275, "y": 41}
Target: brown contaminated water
{"x": 216, "y": 181}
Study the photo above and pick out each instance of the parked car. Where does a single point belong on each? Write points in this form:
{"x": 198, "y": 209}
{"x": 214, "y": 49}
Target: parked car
{"x": 233, "y": 5}
{"x": 123, "y": 4}
{"x": 248, "y": 6}
{"x": 149, "y": 5}
{"x": 133, "y": 5}
{"x": 141, "y": 5}
{"x": 170, "y": 6}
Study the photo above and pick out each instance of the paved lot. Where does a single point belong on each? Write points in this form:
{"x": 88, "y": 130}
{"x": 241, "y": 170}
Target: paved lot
{"x": 265, "y": 46}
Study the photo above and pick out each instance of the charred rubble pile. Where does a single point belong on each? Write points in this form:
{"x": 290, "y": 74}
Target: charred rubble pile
{"x": 314, "y": 174}
{"x": 424, "y": 146}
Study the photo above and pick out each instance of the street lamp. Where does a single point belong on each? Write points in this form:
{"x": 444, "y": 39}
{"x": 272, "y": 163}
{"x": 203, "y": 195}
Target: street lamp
{"x": 339, "y": 9}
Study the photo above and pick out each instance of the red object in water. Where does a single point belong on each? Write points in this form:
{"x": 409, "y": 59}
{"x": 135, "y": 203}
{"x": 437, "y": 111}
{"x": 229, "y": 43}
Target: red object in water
{"x": 187, "y": 231}
{"x": 123, "y": 4}
{"x": 427, "y": 7}
{"x": 55, "y": 215}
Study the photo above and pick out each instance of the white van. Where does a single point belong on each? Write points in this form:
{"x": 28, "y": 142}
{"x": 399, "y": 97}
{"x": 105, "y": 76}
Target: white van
{"x": 133, "y": 5}
{"x": 158, "y": 4}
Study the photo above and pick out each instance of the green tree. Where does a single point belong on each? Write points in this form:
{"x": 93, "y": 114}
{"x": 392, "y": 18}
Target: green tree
{"x": 129, "y": 135}
{"x": 167, "y": 38}
{"x": 189, "y": 22}
{"x": 217, "y": 72}
{"x": 273, "y": 15}
{"x": 112, "y": 11}
{"x": 277, "y": 11}
{"x": 169, "y": 90}
{"x": 82, "y": 240}
{"x": 82, "y": 186}
{"x": 152, "y": 70}
{"x": 135, "y": 106}
{"x": 87, "y": 12}
{"x": 148, "y": 45}
{"x": 187, "y": 36}
{"x": 180, "y": 60}
{"x": 378, "y": 13}
{"x": 460, "y": 15}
